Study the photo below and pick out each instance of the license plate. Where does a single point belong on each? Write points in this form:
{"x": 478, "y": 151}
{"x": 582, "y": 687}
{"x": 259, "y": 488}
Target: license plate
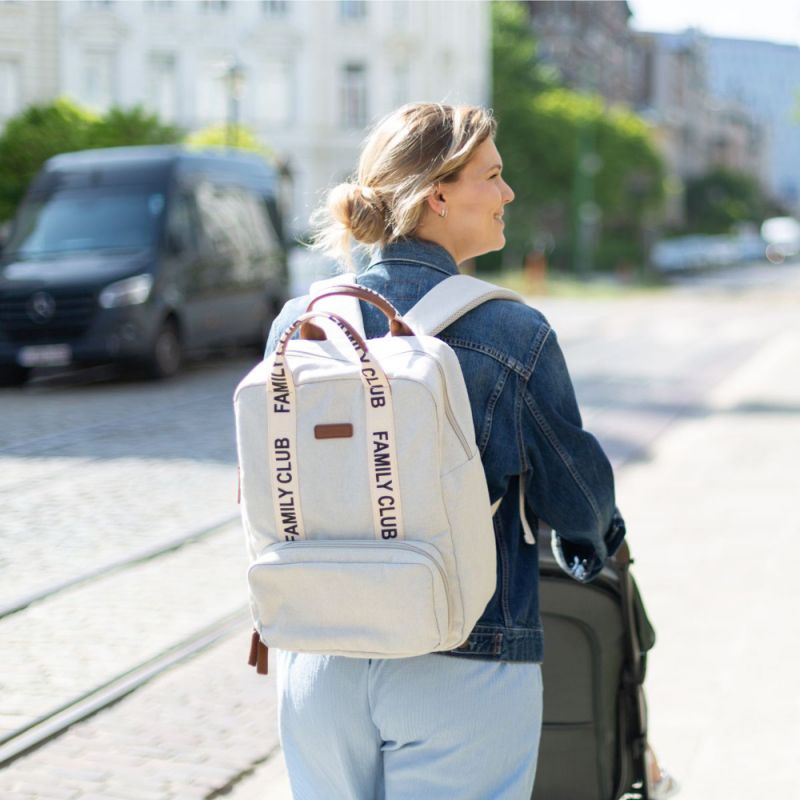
{"x": 45, "y": 355}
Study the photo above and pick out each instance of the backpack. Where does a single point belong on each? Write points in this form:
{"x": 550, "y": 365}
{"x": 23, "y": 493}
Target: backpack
{"x": 363, "y": 496}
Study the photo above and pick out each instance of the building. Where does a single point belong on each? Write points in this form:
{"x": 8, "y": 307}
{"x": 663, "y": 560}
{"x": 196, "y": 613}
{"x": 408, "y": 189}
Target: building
{"x": 764, "y": 78}
{"x": 588, "y": 43}
{"x": 28, "y": 55}
{"x": 307, "y": 77}
{"x": 695, "y": 129}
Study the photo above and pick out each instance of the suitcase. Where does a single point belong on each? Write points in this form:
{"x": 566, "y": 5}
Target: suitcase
{"x": 595, "y": 719}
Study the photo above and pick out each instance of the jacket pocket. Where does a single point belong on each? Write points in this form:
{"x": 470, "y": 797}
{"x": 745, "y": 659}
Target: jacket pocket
{"x": 360, "y": 598}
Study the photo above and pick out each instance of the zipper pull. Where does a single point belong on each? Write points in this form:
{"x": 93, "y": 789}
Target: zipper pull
{"x": 259, "y": 654}
{"x": 254, "y": 640}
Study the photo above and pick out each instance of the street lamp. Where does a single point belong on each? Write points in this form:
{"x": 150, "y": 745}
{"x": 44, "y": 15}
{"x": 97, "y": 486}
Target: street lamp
{"x": 234, "y": 82}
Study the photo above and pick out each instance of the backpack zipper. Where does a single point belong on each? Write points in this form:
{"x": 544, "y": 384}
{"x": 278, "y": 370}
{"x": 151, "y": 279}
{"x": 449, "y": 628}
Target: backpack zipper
{"x": 374, "y": 545}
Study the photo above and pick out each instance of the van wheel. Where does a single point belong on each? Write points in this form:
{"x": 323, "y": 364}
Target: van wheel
{"x": 14, "y": 375}
{"x": 166, "y": 356}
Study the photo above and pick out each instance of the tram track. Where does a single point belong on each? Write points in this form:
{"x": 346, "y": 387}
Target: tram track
{"x": 51, "y": 724}
{"x": 22, "y": 602}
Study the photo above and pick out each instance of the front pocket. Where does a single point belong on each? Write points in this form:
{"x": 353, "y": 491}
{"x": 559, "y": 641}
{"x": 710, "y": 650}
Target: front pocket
{"x": 351, "y": 597}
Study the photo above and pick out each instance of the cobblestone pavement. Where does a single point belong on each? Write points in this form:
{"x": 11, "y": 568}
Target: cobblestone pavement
{"x": 77, "y": 462}
{"x": 110, "y": 467}
{"x": 87, "y": 635}
{"x": 191, "y": 733}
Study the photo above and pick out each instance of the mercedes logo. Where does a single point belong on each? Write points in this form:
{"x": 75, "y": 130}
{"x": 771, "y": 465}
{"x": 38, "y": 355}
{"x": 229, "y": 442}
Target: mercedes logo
{"x": 41, "y": 307}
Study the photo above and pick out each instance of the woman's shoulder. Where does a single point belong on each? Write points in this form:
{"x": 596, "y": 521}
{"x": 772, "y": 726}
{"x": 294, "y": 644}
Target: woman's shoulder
{"x": 508, "y": 329}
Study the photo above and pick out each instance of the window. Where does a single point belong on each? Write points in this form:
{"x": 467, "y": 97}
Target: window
{"x": 10, "y": 88}
{"x": 216, "y": 6}
{"x": 182, "y": 223}
{"x": 275, "y": 8}
{"x": 236, "y": 225}
{"x": 212, "y": 98}
{"x": 351, "y": 10}
{"x": 162, "y": 85}
{"x": 98, "y": 80}
{"x": 354, "y": 96}
{"x": 275, "y": 92}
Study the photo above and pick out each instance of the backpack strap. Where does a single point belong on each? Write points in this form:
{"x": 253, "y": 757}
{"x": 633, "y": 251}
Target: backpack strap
{"x": 450, "y": 299}
{"x": 341, "y": 305}
{"x": 442, "y": 306}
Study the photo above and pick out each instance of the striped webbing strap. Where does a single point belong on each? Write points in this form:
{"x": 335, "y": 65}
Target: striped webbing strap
{"x": 381, "y": 440}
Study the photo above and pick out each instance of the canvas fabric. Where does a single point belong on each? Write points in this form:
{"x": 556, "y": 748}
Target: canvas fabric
{"x": 377, "y": 543}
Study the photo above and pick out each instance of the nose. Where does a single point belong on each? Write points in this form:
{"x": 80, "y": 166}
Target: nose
{"x": 507, "y": 192}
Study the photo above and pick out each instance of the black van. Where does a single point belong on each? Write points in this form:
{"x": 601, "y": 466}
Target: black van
{"x": 139, "y": 255}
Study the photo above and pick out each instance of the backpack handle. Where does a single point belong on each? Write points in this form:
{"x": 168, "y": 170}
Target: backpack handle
{"x": 310, "y": 331}
{"x": 397, "y": 325}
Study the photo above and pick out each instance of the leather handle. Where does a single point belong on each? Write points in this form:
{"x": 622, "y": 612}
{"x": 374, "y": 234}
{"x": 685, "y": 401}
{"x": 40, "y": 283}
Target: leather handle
{"x": 397, "y": 326}
{"x": 310, "y": 331}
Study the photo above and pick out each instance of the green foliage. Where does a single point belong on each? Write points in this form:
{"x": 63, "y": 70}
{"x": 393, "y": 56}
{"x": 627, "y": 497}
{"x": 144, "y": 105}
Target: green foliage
{"x": 719, "y": 199}
{"x": 224, "y": 136}
{"x": 33, "y": 136}
{"x": 42, "y": 131}
{"x": 123, "y": 127}
{"x": 560, "y": 147}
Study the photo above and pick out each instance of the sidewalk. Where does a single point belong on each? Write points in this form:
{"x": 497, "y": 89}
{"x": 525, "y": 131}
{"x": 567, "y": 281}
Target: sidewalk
{"x": 713, "y": 526}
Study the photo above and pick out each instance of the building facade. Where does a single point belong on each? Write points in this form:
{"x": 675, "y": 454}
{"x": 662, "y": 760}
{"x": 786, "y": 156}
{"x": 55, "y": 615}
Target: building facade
{"x": 28, "y": 55}
{"x": 764, "y": 78}
{"x": 306, "y": 77}
{"x": 695, "y": 128}
{"x": 589, "y": 43}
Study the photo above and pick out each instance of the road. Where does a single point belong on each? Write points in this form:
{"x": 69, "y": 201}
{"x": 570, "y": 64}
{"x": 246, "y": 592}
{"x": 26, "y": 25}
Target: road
{"x": 95, "y": 472}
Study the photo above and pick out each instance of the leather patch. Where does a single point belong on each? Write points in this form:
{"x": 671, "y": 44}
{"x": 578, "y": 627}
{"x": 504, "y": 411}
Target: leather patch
{"x": 342, "y": 430}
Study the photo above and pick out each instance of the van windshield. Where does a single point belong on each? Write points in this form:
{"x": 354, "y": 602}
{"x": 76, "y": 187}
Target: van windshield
{"x": 89, "y": 218}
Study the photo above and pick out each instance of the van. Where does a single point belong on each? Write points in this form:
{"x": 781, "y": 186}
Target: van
{"x": 140, "y": 255}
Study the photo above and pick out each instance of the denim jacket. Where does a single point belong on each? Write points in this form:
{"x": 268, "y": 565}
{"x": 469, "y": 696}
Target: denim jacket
{"x": 528, "y": 428}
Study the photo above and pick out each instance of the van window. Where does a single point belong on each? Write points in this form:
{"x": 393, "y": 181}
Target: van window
{"x": 237, "y": 225}
{"x": 89, "y": 218}
{"x": 181, "y": 222}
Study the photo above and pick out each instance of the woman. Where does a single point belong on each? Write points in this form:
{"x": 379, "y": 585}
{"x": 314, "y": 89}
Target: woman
{"x": 429, "y": 195}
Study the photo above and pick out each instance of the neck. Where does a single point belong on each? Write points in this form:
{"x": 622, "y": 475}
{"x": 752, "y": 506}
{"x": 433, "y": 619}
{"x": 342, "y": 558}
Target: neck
{"x": 433, "y": 230}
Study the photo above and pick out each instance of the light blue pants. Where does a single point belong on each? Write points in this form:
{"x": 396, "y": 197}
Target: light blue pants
{"x": 427, "y": 728}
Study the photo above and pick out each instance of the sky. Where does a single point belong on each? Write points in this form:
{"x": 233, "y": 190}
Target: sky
{"x": 770, "y": 20}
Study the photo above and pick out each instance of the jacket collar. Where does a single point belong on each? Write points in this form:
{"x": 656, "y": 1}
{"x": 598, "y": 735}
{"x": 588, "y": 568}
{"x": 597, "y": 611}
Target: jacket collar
{"x": 417, "y": 251}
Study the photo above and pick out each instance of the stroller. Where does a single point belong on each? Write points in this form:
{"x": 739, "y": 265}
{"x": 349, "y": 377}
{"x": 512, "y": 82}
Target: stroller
{"x": 594, "y": 734}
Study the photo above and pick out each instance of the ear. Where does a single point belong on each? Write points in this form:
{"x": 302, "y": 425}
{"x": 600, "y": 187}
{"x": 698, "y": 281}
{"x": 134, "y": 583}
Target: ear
{"x": 437, "y": 202}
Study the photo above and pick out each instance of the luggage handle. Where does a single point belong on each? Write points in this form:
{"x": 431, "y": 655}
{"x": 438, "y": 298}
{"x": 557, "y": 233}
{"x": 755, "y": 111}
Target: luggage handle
{"x": 397, "y": 325}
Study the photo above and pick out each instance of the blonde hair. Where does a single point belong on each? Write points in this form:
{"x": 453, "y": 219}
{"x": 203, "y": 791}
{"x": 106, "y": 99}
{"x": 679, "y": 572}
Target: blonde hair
{"x": 403, "y": 158}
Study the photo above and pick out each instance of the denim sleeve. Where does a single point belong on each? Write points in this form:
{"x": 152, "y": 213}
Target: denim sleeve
{"x": 289, "y": 313}
{"x": 570, "y": 484}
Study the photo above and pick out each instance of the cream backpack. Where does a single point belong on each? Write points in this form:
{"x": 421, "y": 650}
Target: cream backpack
{"x": 363, "y": 497}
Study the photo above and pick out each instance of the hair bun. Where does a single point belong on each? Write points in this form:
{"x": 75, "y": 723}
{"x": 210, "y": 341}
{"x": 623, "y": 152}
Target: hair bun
{"x": 360, "y": 210}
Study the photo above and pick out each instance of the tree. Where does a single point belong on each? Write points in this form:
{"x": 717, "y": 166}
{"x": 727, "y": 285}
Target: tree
{"x": 563, "y": 150}
{"x": 222, "y": 135}
{"x": 42, "y": 131}
{"x": 33, "y": 136}
{"x": 722, "y": 197}
{"x": 123, "y": 127}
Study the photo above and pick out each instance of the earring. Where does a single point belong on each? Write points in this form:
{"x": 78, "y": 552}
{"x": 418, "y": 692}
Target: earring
{"x": 443, "y": 213}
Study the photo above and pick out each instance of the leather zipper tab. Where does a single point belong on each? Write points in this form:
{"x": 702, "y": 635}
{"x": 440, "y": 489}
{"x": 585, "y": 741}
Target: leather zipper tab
{"x": 262, "y": 659}
{"x": 259, "y": 654}
{"x": 253, "y": 657}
